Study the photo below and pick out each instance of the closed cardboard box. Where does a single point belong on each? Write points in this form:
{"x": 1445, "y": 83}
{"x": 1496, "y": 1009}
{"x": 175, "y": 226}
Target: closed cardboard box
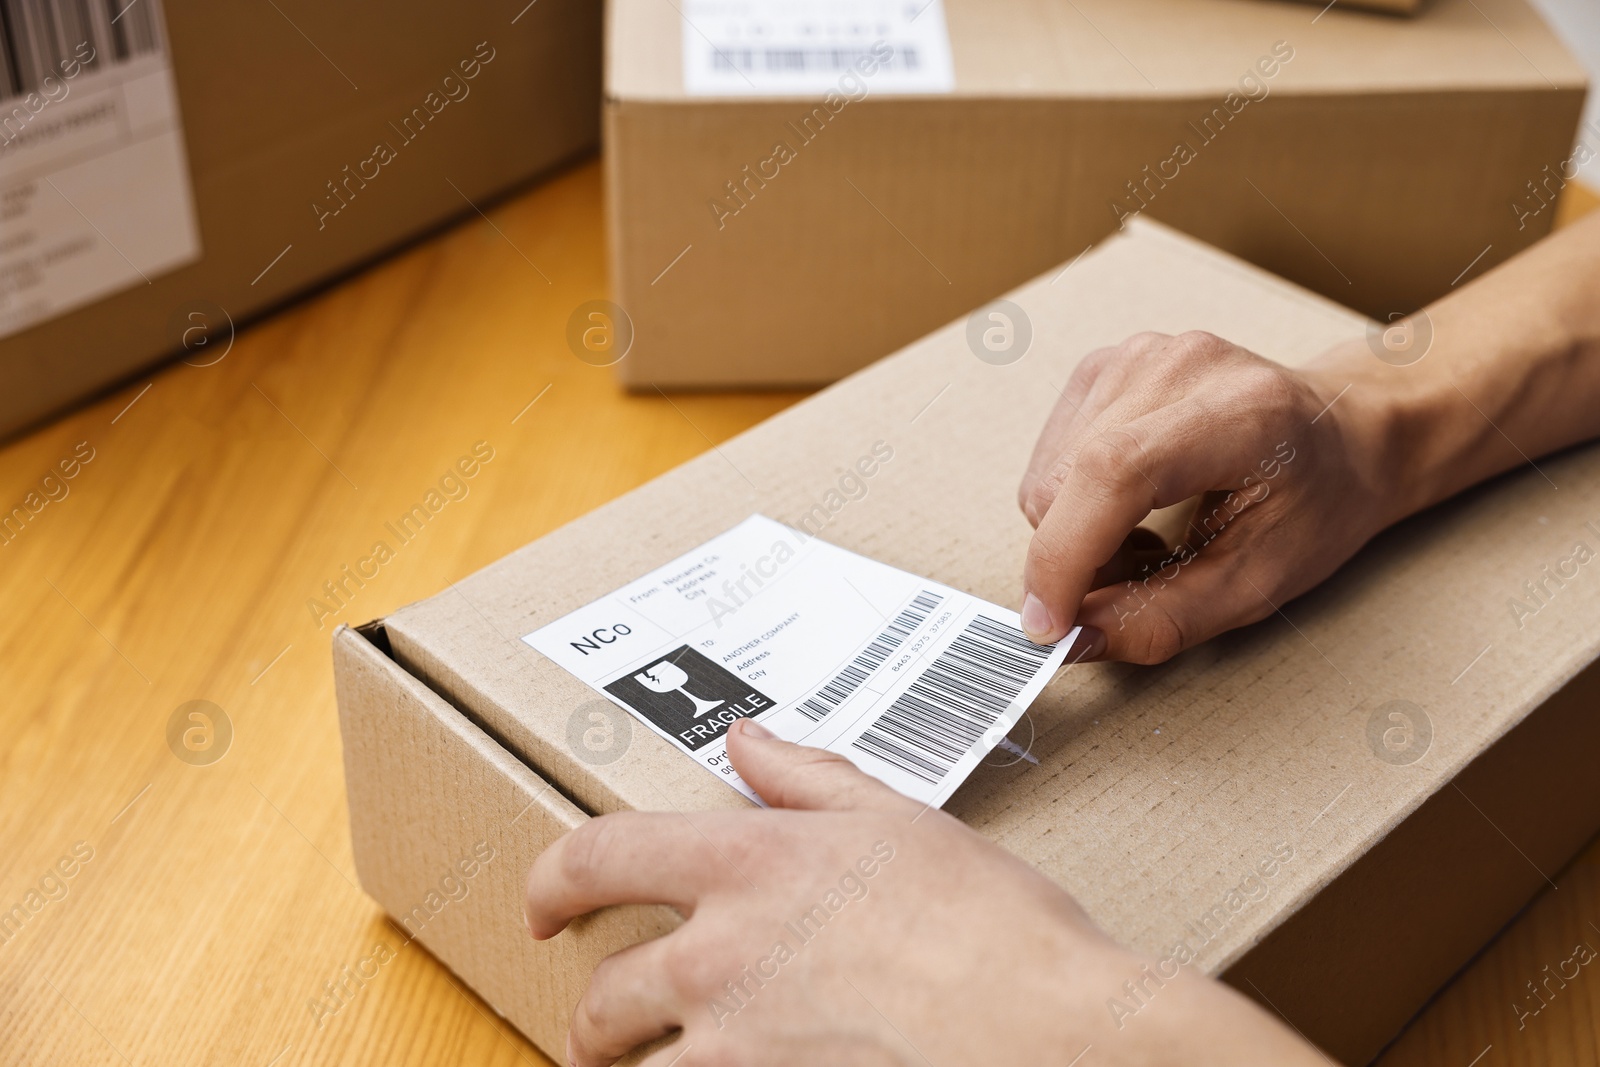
{"x": 1157, "y": 792}
{"x": 213, "y": 160}
{"x": 1395, "y": 7}
{"x": 1398, "y": 7}
{"x": 764, "y": 234}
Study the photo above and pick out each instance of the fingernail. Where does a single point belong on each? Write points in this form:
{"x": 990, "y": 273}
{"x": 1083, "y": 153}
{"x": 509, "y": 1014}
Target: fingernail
{"x": 1036, "y": 618}
{"x": 1089, "y": 645}
{"x": 572, "y": 1061}
{"x": 751, "y": 728}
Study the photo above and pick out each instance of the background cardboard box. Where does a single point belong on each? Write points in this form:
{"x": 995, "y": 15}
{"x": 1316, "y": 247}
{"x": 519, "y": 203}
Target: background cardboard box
{"x": 1394, "y": 7}
{"x": 1398, "y": 7}
{"x": 1157, "y": 789}
{"x": 273, "y": 109}
{"x": 1383, "y": 166}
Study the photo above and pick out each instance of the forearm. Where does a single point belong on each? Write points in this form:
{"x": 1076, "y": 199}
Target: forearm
{"x": 1512, "y": 373}
{"x": 1137, "y": 1013}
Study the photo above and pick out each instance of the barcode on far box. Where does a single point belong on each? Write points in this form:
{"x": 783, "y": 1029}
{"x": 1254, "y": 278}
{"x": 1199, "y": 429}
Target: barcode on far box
{"x": 870, "y": 658}
{"x": 963, "y": 693}
{"x": 37, "y": 37}
{"x": 807, "y": 60}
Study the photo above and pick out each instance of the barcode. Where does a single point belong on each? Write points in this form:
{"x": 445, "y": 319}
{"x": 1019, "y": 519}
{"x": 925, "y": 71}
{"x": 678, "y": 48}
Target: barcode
{"x": 41, "y": 39}
{"x": 870, "y": 658}
{"x": 941, "y": 715}
{"x": 804, "y": 60}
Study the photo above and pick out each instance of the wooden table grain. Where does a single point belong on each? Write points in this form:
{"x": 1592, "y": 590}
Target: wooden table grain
{"x": 184, "y": 909}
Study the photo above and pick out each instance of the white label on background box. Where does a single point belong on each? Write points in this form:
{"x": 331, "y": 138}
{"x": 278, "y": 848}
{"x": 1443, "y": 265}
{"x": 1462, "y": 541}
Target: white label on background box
{"x": 913, "y": 681}
{"x": 94, "y": 184}
{"x": 804, "y": 47}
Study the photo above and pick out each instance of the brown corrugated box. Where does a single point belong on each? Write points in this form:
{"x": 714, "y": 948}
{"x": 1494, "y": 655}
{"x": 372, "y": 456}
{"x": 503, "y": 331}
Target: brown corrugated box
{"x": 269, "y": 118}
{"x": 1158, "y": 790}
{"x": 1398, "y": 7}
{"x": 1383, "y": 164}
{"x": 1394, "y": 7}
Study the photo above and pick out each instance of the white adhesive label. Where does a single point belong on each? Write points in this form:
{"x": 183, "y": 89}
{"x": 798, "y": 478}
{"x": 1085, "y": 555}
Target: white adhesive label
{"x": 94, "y": 184}
{"x": 809, "y": 47}
{"x": 911, "y": 680}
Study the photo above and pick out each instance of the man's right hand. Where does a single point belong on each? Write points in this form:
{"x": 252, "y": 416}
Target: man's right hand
{"x": 1288, "y": 472}
{"x": 1296, "y": 469}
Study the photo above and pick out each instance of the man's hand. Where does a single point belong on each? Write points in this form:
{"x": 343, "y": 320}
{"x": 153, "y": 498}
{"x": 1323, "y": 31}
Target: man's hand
{"x": 1287, "y": 475}
{"x": 1295, "y": 469}
{"x": 851, "y": 925}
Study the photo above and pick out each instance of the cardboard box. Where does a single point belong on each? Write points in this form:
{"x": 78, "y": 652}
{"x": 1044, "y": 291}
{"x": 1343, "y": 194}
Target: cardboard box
{"x": 1393, "y": 7}
{"x": 1158, "y": 790}
{"x": 279, "y": 108}
{"x": 1387, "y": 159}
{"x": 1396, "y": 7}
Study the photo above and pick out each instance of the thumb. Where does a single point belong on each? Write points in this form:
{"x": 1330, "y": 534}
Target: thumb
{"x": 799, "y": 776}
{"x": 1192, "y": 599}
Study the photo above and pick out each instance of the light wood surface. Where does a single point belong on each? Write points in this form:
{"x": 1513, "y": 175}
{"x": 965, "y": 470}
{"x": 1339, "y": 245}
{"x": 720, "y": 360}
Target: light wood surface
{"x": 219, "y": 899}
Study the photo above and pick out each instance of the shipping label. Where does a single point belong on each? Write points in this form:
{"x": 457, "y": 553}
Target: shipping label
{"x": 913, "y": 681}
{"x": 805, "y": 47}
{"x": 94, "y": 183}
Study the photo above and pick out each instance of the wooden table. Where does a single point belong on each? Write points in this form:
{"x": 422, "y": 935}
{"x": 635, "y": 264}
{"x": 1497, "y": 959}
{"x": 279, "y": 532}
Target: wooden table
{"x": 209, "y": 903}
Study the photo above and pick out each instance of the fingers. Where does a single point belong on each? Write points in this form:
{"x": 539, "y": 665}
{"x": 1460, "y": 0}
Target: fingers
{"x": 1097, "y": 387}
{"x": 1067, "y": 422}
{"x": 628, "y": 1003}
{"x": 1190, "y": 600}
{"x": 624, "y": 858}
{"x": 797, "y": 776}
{"x": 1120, "y": 476}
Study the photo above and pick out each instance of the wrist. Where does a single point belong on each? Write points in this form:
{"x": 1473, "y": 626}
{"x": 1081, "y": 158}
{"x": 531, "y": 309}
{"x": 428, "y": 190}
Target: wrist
{"x": 1492, "y": 377}
{"x": 1392, "y": 428}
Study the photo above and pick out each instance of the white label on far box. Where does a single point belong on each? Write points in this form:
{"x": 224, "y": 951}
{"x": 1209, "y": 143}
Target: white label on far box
{"x": 94, "y": 184}
{"x": 912, "y": 681}
{"x": 805, "y": 47}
